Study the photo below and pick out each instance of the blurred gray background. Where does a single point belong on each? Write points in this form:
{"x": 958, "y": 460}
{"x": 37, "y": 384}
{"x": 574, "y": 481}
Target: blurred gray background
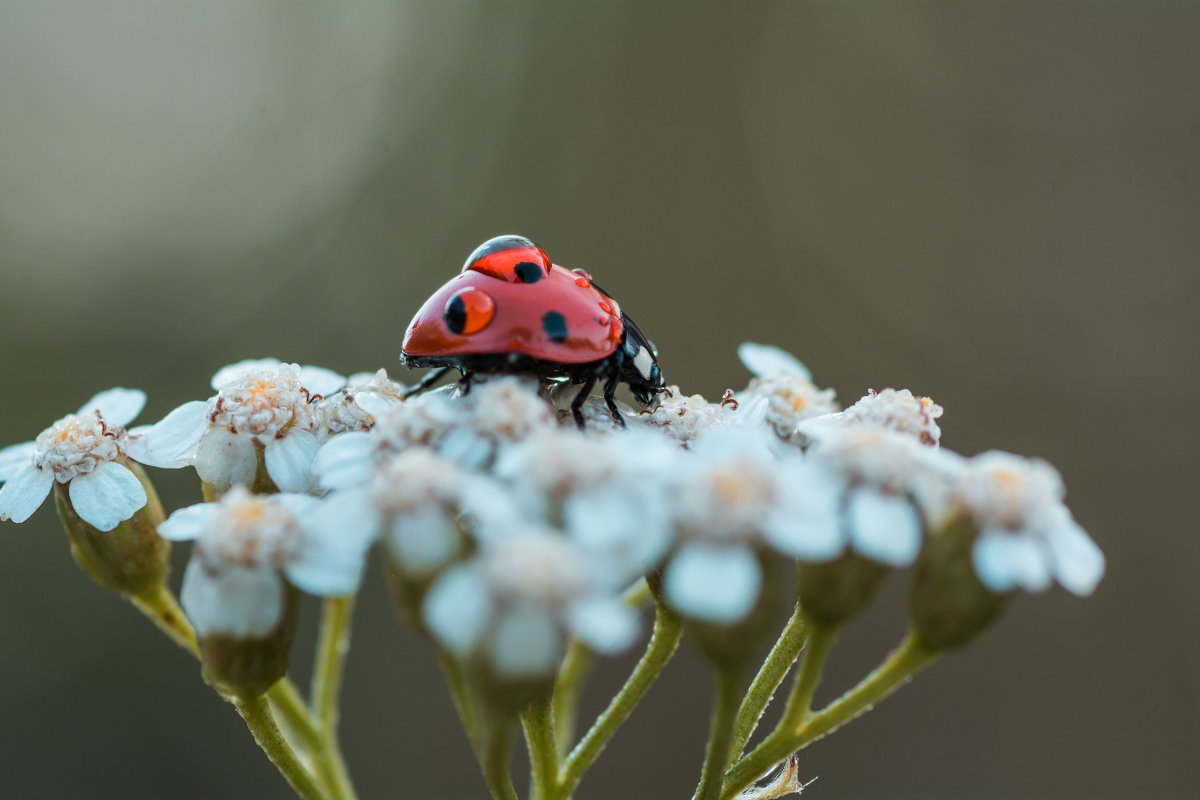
{"x": 995, "y": 204}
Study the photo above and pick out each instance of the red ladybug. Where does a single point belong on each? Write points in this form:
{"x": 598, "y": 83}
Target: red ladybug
{"x": 511, "y": 310}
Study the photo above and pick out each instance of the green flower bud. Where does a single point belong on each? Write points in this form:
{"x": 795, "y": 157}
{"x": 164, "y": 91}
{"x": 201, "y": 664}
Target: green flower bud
{"x": 731, "y": 646}
{"x": 131, "y": 559}
{"x": 247, "y": 667}
{"x": 834, "y": 591}
{"x": 948, "y": 605}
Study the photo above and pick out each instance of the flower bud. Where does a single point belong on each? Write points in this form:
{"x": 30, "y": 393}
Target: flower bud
{"x": 130, "y": 559}
{"x": 730, "y": 646}
{"x": 948, "y": 605}
{"x": 248, "y": 666}
{"x": 834, "y": 591}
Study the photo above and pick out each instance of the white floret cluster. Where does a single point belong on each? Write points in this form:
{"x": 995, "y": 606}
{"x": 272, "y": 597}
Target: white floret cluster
{"x": 520, "y": 531}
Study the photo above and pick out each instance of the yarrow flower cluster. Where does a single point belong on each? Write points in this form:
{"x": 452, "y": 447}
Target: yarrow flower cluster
{"x": 512, "y": 539}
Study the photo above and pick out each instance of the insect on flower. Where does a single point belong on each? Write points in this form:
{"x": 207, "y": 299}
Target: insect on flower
{"x": 511, "y": 310}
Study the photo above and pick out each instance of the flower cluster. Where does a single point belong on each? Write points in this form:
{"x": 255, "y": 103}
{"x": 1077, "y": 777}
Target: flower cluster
{"x": 508, "y": 533}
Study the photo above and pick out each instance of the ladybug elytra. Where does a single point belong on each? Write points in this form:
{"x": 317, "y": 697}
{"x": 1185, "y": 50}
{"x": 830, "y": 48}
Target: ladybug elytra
{"x": 511, "y": 310}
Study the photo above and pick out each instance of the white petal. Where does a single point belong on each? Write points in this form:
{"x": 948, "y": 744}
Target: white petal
{"x": 375, "y": 403}
{"x": 422, "y": 541}
{"x": 465, "y": 447}
{"x": 289, "y": 460}
{"x": 808, "y": 523}
{"x": 106, "y": 496}
{"x": 606, "y": 625}
{"x": 187, "y": 523}
{"x": 25, "y": 490}
{"x": 526, "y": 642}
{"x": 346, "y": 460}
{"x": 319, "y": 380}
{"x": 234, "y": 601}
{"x": 1079, "y": 563}
{"x": 337, "y": 533}
{"x": 171, "y": 442}
{"x": 15, "y": 458}
{"x": 883, "y": 527}
{"x": 116, "y": 406}
{"x": 223, "y": 458}
{"x": 457, "y": 609}
{"x": 234, "y": 371}
{"x": 714, "y": 584}
{"x": 1005, "y": 562}
{"x": 632, "y": 527}
{"x": 764, "y": 360}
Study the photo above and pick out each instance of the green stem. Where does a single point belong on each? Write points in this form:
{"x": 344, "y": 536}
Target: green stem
{"x": 568, "y": 684}
{"x": 720, "y": 734}
{"x": 460, "y": 693}
{"x": 162, "y": 609}
{"x": 664, "y": 640}
{"x": 762, "y": 690}
{"x": 899, "y": 667}
{"x": 799, "y": 703}
{"x": 332, "y": 646}
{"x": 256, "y": 712}
{"x": 292, "y": 714}
{"x": 538, "y": 721}
{"x": 495, "y": 762}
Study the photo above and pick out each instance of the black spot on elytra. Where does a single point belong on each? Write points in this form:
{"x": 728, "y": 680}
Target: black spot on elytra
{"x": 455, "y": 315}
{"x": 528, "y": 272}
{"x": 555, "y": 326}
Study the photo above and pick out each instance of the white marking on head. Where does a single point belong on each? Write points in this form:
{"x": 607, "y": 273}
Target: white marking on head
{"x": 643, "y": 362}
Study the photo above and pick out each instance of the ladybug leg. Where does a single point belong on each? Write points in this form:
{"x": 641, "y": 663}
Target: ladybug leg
{"x": 577, "y": 403}
{"x": 464, "y": 384}
{"x": 430, "y": 378}
{"x": 610, "y": 389}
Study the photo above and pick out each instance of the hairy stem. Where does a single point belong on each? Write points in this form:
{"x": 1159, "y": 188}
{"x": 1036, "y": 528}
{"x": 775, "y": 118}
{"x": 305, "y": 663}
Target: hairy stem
{"x": 162, "y": 609}
{"x": 256, "y": 712}
{"x": 899, "y": 667}
{"x": 720, "y": 734}
{"x": 762, "y": 690}
{"x": 664, "y": 640}
{"x": 332, "y": 647}
{"x": 538, "y": 721}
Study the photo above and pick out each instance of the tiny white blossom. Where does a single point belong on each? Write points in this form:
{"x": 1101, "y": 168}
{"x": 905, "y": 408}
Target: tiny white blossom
{"x": 260, "y": 405}
{"x": 355, "y": 407}
{"x": 1027, "y": 537}
{"x": 519, "y": 598}
{"x": 733, "y": 497}
{"x": 246, "y": 544}
{"x": 882, "y": 477}
{"x": 469, "y": 429}
{"x": 85, "y": 451}
{"x": 606, "y": 492}
{"x": 685, "y": 417}
{"x": 787, "y": 386}
{"x": 899, "y": 411}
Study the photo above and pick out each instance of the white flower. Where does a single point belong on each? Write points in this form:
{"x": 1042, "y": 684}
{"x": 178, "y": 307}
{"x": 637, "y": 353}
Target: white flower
{"x": 1027, "y": 537}
{"x": 469, "y": 429}
{"x": 900, "y": 411}
{"x": 519, "y": 598}
{"x": 260, "y": 405}
{"x": 733, "y": 497}
{"x": 246, "y": 544}
{"x": 355, "y": 407}
{"x": 606, "y": 492}
{"x": 884, "y": 478}
{"x": 787, "y": 386}
{"x": 685, "y": 417}
{"x": 85, "y": 452}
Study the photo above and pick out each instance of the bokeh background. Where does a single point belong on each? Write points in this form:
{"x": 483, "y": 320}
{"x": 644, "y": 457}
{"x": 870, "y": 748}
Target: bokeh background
{"x": 996, "y": 204}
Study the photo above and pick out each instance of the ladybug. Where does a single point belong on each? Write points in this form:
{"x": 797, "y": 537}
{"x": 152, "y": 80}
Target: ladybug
{"x": 511, "y": 310}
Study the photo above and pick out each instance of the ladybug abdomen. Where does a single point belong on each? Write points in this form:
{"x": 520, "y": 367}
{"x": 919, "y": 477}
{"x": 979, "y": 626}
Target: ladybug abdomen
{"x": 560, "y": 318}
